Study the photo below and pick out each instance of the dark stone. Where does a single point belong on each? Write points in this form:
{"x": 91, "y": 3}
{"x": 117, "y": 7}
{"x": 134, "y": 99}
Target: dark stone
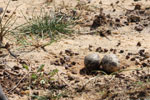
{"x": 117, "y": 20}
{"x": 145, "y": 24}
{"x": 137, "y": 7}
{"x": 8, "y": 11}
{"x": 138, "y": 44}
{"x": 144, "y": 64}
{"x": 141, "y": 52}
{"x": 141, "y": 12}
{"x": 132, "y": 59}
{"x": 127, "y": 57}
{"x": 111, "y": 49}
{"x": 121, "y": 51}
{"x": 108, "y": 32}
{"x": 105, "y": 50}
{"x": 133, "y": 18}
{"x": 69, "y": 52}
{"x": 99, "y": 49}
{"x": 73, "y": 63}
{"x": 115, "y": 50}
{"x": 139, "y": 28}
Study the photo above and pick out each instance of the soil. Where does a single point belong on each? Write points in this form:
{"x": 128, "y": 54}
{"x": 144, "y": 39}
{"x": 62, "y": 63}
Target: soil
{"x": 120, "y": 27}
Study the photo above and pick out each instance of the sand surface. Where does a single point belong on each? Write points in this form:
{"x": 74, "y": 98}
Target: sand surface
{"x": 103, "y": 87}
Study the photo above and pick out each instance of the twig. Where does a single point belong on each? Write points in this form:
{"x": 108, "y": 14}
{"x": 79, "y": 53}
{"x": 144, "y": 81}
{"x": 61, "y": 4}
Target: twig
{"x": 63, "y": 80}
{"x": 85, "y": 33}
{"x": 12, "y": 54}
{"x": 7, "y": 47}
{"x": 113, "y": 76}
{"x": 11, "y": 73}
{"x": 89, "y": 81}
{"x": 103, "y": 35}
{"x": 18, "y": 83}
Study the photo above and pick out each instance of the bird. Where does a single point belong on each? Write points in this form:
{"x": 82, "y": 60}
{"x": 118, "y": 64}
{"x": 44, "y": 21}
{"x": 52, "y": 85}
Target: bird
{"x": 2, "y": 95}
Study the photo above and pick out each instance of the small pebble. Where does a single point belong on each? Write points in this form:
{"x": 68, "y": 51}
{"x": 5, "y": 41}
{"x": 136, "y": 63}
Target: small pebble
{"x": 121, "y": 51}
{"x": 105, "y": 50}
{"x": 111, "y": 49}
{"x": 5, "y": 15}
{"x": 115, "y": 50}
{"x": 8, "y": 11}
{"x": 99, "y": 49}
{"x": 139, "y": 28}
{"x": 73, "y": 63}
{"x": 137, "y": 7}
{"x": 118, "y": 44}
{"x": 132, "y": 59}
{"x": 138, "y": 44}
{"x": 144, "y": 64}
{"x": 141, "y": 52}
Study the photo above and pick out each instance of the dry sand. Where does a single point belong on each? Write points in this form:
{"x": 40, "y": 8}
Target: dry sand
{"x": 127, "y": 36}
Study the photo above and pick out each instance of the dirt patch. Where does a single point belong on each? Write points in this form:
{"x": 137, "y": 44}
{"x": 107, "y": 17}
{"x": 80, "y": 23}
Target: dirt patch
{"x": 56, "y": 72}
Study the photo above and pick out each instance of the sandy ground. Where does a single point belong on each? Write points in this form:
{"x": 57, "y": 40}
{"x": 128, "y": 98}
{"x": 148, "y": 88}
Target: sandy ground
{"x": 83, "y": 44}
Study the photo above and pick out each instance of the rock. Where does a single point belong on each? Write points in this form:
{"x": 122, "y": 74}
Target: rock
{"x": 137, "y": 7}
{"x": 92, "y": 61}
{"x": 8, "y": 11}
{"x": 141, "y": 52}
{"x": 69, "y": 52}
{"x": 138, "y": 44}
{"x": 133, "y": 19}
{"x": 110, "y": 63}
{"x": 99, "y": 49}
{"x": 139, "y": 28}
{"x": 2, "y": 95}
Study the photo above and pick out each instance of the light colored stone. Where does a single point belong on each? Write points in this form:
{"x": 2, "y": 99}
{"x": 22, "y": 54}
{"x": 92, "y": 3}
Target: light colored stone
{"x": 92, "y": 61}
{"x": 110, "y": 63}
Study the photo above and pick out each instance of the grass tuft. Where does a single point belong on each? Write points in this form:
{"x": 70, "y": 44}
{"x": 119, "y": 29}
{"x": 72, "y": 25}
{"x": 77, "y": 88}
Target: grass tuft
{"x": 46, "y": 26}
{"x": 6, "y": 25}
